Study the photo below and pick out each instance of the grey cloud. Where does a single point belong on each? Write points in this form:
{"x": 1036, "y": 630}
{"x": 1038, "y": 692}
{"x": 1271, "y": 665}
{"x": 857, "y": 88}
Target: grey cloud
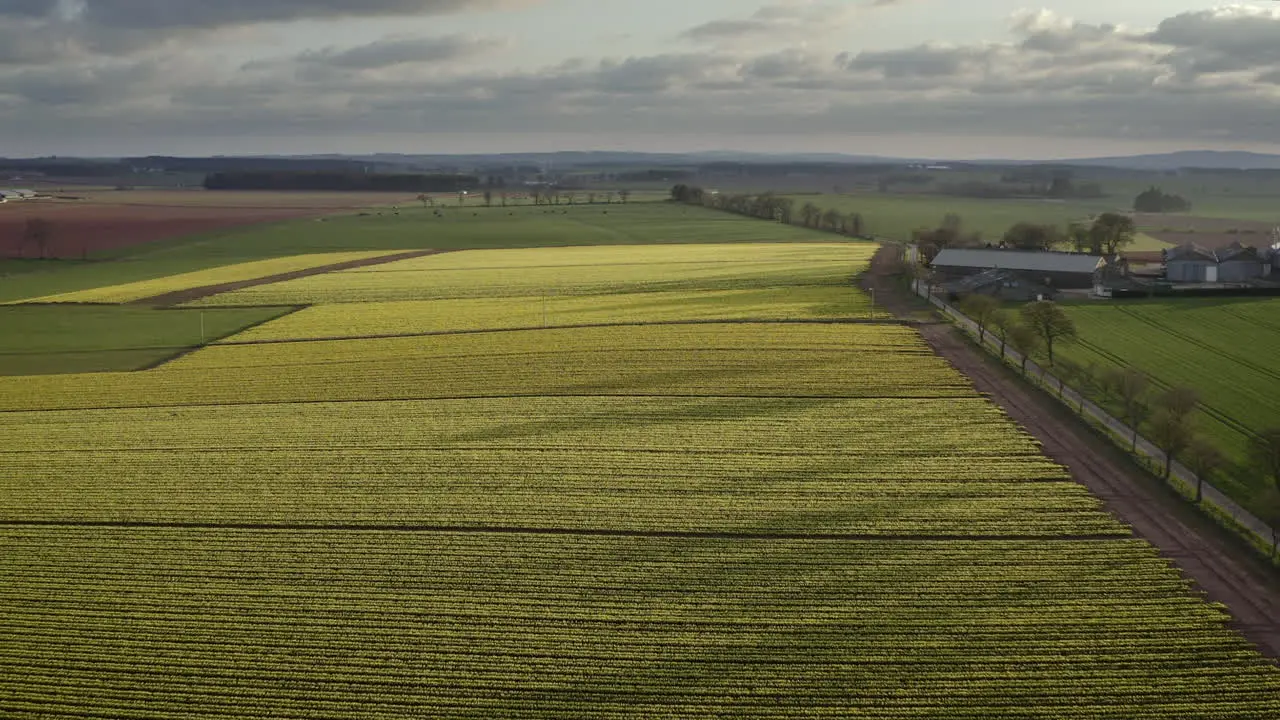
{"x": 402, "y": 51}
{"x": 1225, "y": 39}
{"x": 654, "y": 74}
{"x": 221, "y": 13}
{"x": 788, "y": 21}
{"x": 1055, "y": 78}
{"x": 922, "y": 61}
{"x": 27, "y": 8}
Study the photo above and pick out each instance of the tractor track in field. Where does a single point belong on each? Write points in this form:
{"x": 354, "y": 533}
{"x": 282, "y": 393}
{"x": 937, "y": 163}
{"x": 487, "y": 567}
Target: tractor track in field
{"x": 179, "y": 297}
{"x": 409, "y": 527}
{"x": 1222, "y": 568}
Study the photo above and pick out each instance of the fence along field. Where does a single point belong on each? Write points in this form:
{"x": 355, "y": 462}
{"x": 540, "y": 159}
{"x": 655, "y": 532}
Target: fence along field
{"x": 698, "y": 521}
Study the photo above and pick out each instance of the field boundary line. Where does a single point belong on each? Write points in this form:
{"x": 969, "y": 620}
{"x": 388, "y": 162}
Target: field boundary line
{"x": 582, "y": 532}
{"x": 581, "y": 326}
{"x": 179, "y": 297}
{"x": 340, "y": 401}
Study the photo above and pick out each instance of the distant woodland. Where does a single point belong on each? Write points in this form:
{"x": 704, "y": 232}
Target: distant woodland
{"x": 342, "y": 181}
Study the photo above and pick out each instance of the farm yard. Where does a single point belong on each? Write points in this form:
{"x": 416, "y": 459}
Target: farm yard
{"x": 1225, "y": 349}
{"x": 667, "y": 503}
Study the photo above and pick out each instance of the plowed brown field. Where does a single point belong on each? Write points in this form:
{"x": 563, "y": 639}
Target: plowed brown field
{"x": 108, "y": 220}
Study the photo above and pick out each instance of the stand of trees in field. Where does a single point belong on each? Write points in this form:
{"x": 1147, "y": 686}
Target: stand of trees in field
{"x": 1166, "y": 415}
{"x": 1108, "y": 234}
{"x": 340, "y": 181}
{"x": 1155, "y": 200}
{"x": 768, "y": 206}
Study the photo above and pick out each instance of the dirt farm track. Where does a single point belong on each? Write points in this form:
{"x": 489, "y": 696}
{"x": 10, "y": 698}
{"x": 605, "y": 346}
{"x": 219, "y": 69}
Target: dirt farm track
{"x": 1222, "y": 571}
{"x": 84, "y": 222}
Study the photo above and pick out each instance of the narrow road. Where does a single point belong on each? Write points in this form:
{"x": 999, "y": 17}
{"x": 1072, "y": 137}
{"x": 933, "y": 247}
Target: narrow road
{"x": 1218, "y": 565}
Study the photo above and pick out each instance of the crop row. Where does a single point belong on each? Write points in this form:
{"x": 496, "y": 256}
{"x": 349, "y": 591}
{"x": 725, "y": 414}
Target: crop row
{"x": 408, "y": 317}
{"x": 365, "y": 624}
{"x": 506, "y": 364}
{"x": 717, "y": 426}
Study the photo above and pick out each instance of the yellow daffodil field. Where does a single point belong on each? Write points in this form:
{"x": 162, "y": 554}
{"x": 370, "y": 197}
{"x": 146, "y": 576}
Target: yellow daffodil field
{"x": 750, "y": 498}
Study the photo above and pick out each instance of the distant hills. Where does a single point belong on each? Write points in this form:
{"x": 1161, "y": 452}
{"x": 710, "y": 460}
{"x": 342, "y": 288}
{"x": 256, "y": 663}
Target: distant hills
{"x": 1206, "y": 159}
{"x": 606, "y": 160}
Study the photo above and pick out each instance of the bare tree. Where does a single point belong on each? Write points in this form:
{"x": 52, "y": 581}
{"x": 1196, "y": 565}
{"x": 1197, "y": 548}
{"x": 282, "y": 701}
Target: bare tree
{"x": 980, "y": 308}
{"x": 1026, "y": 341}
{"x": 786, "y": 209}
{"x": 1171, "y": 428}
{"x": 1068, "y": 373}
{"x": 1002, "y": 321}
{"x": 38, "y": 232}
{"x": 1051, "y": 323}
{"x": 1203, "y": 458}
{"x": 624, "y": 196}
{"x": 833, "y": 220}
{"x": 1267, "y": 506}
{"x": 810, "y": 214}
{"x": 1264, "y": 452}
{"x": 1110, "y": 232}
{"x": 1132, "y": 386}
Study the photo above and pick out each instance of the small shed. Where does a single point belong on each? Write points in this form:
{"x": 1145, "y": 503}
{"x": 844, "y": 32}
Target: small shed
{"x": 1191, "y": 263}
{"x": 1064, "y": 271}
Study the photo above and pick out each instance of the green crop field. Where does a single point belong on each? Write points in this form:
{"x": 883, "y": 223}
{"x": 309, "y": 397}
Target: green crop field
{"x": 46, "y": 339}
{"x": 1224, "y": 348}
{"x": 695, "y": 520}
{"x": 141, "y": 290}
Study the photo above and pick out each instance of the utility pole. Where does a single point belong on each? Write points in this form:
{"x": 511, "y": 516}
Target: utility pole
{"x": 201, "y": 327}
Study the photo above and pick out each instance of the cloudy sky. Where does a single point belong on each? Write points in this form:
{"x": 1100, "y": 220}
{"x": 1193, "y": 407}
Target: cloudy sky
{"x": 942, "y": 78}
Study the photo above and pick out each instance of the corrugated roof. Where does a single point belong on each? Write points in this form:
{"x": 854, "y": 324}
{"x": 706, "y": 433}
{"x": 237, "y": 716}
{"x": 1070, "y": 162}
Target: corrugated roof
{"x": 1018, "y": 260}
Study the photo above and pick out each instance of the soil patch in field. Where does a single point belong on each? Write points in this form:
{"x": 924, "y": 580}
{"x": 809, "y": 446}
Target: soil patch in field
{"x": 1210, "y": 233}
{"x": 180, "y": 297}
{"x": 1222, "y": 568}
{"x": 113, "y": 220}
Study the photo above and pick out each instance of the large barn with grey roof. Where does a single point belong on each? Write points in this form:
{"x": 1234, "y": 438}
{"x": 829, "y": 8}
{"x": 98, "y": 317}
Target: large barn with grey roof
{"x": 1062, "y": 271}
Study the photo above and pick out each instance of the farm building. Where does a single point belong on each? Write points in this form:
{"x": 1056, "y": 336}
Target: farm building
{"x": 1002, "y": 284}
{"x": 1237, "y": 263}
{"x": 1062, "y": 271}
{"x": 1191, "y": 263}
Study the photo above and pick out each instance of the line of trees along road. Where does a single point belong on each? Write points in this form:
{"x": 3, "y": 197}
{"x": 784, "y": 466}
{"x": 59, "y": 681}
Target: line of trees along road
{"x": 1168, "y": 414}
{"x": 768, "y": 206}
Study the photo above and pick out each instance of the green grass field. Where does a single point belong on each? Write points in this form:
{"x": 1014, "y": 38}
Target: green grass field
{"x": 42, "y": 339}
{"x": 1224, "y": 348}
{"x": 698, "y": 521}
